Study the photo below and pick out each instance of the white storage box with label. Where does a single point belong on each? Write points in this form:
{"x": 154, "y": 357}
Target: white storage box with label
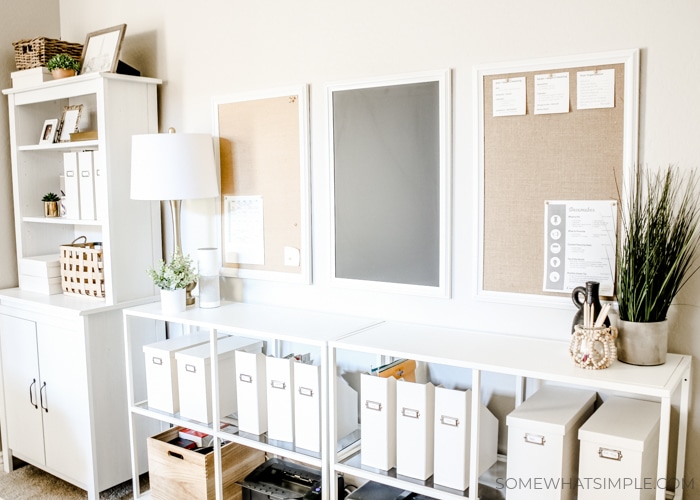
{"x": 415, "y": 415}
{"x": 30, "y": 77}
{"x": 280, "y": 399}
{"x": 378, "y": 419}
{"x": 619, "y": 450}
{"x": 250, "y": 384}
{"x": 307, "y": 406}
{"x": 194, "y": 377}
{"x": 543, "y": 443}
{"x": 161, "y": 370}
{"x": 453, "y": 438}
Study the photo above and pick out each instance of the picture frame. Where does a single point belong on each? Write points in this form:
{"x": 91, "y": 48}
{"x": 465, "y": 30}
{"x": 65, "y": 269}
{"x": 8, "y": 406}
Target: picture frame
{"x": 69, "y": 122}
{"x": 48, "y": 131}
{"x": 101, "y": 50}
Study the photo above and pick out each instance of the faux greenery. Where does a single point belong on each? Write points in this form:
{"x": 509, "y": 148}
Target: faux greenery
{"x": 175, "y": 274}
{"x": 62, "y": 61}
{"x": 51, "y": 197}
{"x": 659, "y": 247}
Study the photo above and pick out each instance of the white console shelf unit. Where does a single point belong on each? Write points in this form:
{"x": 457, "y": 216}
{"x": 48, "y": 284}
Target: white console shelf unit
{"x": 274, "y": 325}
{"x": 524, "y": 358}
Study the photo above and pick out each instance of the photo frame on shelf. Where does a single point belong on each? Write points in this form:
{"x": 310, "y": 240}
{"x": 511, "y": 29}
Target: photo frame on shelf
{"x": 69, "y": 122}
{"x": 101, "y": 50}
{"x": 48, "y": 131}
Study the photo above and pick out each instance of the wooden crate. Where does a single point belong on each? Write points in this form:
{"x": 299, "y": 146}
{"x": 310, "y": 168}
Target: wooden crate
{"x": 177, "y": 473}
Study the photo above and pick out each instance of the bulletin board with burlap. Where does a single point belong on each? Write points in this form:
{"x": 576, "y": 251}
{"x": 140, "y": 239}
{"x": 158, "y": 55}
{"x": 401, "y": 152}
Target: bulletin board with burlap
{"x": 264, "y": 205}
{"x": 527, "y": 159}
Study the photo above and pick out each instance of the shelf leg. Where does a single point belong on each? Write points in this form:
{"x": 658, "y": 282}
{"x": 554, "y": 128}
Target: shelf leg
{"x": 329, "y": 437}
{"x": 664, "y": 433}
{"x": 682, "y": 435}
{"x": 216, "y": 411}
{"x": 474, "y": 442}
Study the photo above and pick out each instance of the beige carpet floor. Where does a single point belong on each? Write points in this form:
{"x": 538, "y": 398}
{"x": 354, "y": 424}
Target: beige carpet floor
{"x": 29, "y": 483}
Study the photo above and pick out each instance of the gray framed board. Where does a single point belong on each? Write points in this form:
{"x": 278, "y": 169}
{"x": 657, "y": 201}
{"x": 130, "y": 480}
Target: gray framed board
{"x": 527, "y": 154}
{"x": 390, "y": 165}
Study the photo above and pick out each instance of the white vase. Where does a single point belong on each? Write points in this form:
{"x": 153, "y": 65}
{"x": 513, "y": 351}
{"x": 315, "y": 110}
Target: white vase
{"x": 172, "y": 301}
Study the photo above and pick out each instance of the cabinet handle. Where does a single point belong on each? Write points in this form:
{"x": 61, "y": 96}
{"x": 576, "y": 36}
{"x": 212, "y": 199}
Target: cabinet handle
{"x": 32, "y": 394}
{"x": 41, "y": 398}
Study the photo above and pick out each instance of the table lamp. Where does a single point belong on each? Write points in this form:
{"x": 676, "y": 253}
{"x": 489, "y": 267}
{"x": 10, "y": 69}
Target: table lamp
{"x": 173, "y": 167}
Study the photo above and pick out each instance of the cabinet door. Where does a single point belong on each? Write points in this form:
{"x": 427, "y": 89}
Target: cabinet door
{"x": 67, "y": 436}
{"x": 20, "y": 372}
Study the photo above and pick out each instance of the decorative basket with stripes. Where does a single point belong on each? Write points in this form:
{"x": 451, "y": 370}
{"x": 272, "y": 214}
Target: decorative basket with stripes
{"x": 37, "y": 51}
{"x": 82, "y": 268}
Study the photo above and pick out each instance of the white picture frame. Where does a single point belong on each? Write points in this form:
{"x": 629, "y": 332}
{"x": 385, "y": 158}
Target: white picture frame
{"x": 48, "y": 131}
{"x": 101, "y": 50}
{"x": 69, "y": 122}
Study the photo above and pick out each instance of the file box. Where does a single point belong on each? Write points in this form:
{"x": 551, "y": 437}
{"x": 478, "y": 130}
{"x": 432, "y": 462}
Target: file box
{"x": 194, "y": 377}
{"x": 619, "y": 447}
{"x": 161, "y": 370}
{"x": 543, "y": 443}
{"x": 378, "y": 421}
{"x": 252, "y": 398}
{"x": 415, "y": 429}
{"x": 453, "y": 438}
{"x": 307, "y": 406}
{"x": 279, "y": 376}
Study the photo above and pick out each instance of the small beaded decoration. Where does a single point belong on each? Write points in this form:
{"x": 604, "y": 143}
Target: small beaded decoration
{"x": 593, "y": 348}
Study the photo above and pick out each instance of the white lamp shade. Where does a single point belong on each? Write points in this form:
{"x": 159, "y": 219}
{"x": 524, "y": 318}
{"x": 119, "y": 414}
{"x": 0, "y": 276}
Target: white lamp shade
{"x": 173, "y": 167}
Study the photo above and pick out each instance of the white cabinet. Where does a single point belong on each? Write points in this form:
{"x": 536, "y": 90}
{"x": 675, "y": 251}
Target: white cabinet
{"x": 63, "y": 391}
{"x": 45, "y": 381}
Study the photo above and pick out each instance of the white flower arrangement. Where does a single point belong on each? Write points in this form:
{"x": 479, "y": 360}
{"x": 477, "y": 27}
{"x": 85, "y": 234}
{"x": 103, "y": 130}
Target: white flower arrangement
{"x": 175, "y": 274}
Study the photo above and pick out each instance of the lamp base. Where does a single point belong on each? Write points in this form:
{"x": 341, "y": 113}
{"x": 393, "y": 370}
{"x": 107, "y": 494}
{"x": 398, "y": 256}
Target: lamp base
{"x": 189, "y": 299}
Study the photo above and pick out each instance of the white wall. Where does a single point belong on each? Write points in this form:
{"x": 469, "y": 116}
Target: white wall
{"x": 19, "y": 20}
{"x": 218, "y": 47}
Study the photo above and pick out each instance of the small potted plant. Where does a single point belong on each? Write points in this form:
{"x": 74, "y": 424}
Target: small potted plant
{"x": 62, "y": 66}
{"x": 51, "y": 201}
{"x": 172, "y": 278}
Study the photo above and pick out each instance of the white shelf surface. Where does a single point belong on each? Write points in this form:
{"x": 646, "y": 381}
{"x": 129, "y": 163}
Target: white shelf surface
{"x": 511, "y": 355}
{"x": 263, "y": 322}
{"x": 63, "y": 220}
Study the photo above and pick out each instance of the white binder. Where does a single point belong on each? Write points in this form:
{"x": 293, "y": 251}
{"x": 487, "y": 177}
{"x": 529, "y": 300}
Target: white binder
{"x": 378, "y": 415}
{"x": 71, "y": 200}
{"x": 307, "y": 406}
{"x": 453, "y": 438}
{"x": 415, "y": 416}
{"x": 100, "y": 187}
{"x": 87, "y": 185}
{"x": 252, "y": 398}
{"x": 280, "y": 398}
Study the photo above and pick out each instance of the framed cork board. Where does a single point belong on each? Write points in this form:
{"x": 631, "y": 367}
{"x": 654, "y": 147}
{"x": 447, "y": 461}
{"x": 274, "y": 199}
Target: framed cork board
{"x": 533, "y": 143}
{"x": 263, "y": 142}
{"x": 390, "y": 166}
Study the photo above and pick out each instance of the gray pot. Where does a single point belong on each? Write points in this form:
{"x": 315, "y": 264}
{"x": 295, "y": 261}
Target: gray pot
{"x": 642, "y": 343}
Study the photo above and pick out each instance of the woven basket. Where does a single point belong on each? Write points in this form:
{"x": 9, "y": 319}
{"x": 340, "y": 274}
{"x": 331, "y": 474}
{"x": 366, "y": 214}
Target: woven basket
{"x": 37, "y": 51}
{"x": 82, "y": 268}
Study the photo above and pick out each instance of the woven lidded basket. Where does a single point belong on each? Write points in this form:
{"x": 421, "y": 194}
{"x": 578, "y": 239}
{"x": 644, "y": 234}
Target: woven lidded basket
{"x": 37, "y": 51}
{"x": 82, "y": 268}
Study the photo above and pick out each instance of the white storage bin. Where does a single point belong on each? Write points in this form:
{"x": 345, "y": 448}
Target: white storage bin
{"x": 543, "y": 445}
{"x": 453, "y": 438}
{"x": 250, "y": 383}
{"x": 378, "y": 419}
{"x": 280, "y": 398}
{"x": 307, "y": 406}
{"x": 194, "y": 377}
{"x": 415, "y": 416}
{"x": 619, "y": 450}
{"x": 161, "y": 370}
